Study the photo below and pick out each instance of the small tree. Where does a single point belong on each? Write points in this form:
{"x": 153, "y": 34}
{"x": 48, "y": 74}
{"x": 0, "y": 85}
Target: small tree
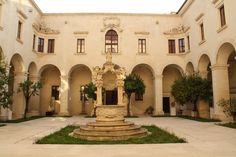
{"x": 133, "y": 84}
{"x": 90, "y": 92}
{"x": 5, "y": 78}
{"x": 29, "y": 89}
{"x": 191, "y": 89}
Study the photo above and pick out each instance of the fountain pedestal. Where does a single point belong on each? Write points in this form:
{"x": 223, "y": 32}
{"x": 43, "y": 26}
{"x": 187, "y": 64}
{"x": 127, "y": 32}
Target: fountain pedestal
{"x": 110, "y": 125}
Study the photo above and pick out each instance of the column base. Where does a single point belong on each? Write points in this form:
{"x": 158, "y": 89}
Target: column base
{"x": 158, "y": 113}
{"x": 33, "y": 113}
{"x": 64, "y": 114}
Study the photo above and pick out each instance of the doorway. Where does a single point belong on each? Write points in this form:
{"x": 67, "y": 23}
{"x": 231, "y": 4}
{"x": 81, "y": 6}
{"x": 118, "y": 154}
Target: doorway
{"x": 166, "y": 105}
{"x": 111, "y": 97}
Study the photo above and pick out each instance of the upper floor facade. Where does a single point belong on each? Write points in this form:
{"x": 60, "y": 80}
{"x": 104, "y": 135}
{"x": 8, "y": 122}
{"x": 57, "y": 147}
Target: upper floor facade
{"x": 64, "y": 40}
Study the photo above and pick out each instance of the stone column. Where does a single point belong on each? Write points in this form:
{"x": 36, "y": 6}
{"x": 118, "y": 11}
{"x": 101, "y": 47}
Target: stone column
{"x": 99, "y": 84}
{"x": 220, "y": 88}
{"x": 18, "y": 105}
{"x": 120, "y": 86}
{"x": 64, "y": 91}
{"x": 203, "y": 106}
{"x": 158, "y": 82}
{"x": 34, "y": 104}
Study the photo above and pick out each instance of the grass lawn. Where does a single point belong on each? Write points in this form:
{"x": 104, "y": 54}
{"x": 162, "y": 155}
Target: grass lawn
{"x": 22, "y": 120}
{"x": 200, "y": 119}
{"x": 158, "y": 136}
{"x": 229, "y": 125}
{"x": 1, "y": 125}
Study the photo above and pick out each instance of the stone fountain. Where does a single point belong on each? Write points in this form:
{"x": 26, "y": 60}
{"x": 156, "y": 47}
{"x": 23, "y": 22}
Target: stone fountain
{"x": 110, "y": 123}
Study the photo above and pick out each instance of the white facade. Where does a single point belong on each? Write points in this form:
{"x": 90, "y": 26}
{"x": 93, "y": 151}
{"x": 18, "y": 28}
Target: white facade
{"x": 69, "y": 70}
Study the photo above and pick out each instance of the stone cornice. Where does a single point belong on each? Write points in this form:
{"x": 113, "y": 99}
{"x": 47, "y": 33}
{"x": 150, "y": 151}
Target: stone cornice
{"x": 32, "y": 2}
{"x": 22, "y": 14}
{"x": 185, "y": 7}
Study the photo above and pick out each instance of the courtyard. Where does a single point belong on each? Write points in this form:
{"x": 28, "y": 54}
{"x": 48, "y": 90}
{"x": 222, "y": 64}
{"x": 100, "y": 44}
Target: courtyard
{"x": 203, "y": 139}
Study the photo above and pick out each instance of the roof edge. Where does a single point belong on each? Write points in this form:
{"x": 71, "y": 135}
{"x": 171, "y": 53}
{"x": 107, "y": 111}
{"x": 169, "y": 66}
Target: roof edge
{"x": 36, "y": 7}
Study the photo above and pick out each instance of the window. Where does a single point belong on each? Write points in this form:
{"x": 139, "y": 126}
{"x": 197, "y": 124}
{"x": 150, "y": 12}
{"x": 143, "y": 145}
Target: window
{"x": 40, "y": 45}
{"x": 202, "y": 32}
{"x": 34, "y": 38}
{"x": 80, "y": 45}
{"x": 55, "y": 92}
{"x": 171, "y": 46}
{"x": 51, "y": 44}
{"x": 138, "y": 97}
{"x": 188, "y": 38}
{"x": 19, "y": 30}
{"x": 181, "y": 45}
{"x": 111, "y": 42}
{"x": 142, "y": 45}
{"x": 222, "y": 16}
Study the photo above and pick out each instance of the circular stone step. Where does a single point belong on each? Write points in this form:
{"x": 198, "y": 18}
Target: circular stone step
{"x": 100, "y": 129}
{"x": 101, "y": 136}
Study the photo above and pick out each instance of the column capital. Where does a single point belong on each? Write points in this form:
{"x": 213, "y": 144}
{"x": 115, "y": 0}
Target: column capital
{"x": 158, "y": 76}
{"x": 219, "y": 67}
{"x": 65, "y": 77}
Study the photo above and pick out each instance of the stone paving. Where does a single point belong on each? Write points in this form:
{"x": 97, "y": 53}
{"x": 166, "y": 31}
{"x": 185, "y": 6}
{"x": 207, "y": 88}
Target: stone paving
{"x": 204, "y": 140}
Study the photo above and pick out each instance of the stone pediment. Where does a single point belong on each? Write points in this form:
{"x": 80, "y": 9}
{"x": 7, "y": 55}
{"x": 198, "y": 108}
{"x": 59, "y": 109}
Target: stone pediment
{"x": 111, "y": 23}
{"x": 177, "y": 30}
{"x": 42, "y": 28}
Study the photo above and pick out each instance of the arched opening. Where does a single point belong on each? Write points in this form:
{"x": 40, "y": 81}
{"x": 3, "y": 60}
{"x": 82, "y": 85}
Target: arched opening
{"x": 224, "y": 79}
{"x": 232, "y": 75}
{"x": 111, "y": 41}
{"x": 171, "y": 73}
{"x": 80, "y": 75}
{"x": 140, "y": 104}
{"x": 17, "y": 72}
{"x": 110, "y": 96}
{"x": 49, "y": 93}
{"x": 205, "y": 109}
{"x": 189, "y": 68}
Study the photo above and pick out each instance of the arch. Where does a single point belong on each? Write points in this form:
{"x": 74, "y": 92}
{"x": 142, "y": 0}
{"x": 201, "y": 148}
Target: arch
{"x": 203, "y": 63}
{"x": 171, "y": 73}
{"x": 51, "y": 81}
{"x": 175, "y": 66}
{"x": 79, "y": 75}
{"x": 146, "y": 72}
{"x": 224, "y": 52}
{"x": 83, "y": 66}
{"x": 32, "y": 69}
{"x": 189, "y": 68}
{"x": 17, "y": 63}
{"x": 144, "y": 65}
{"x": 111, "y": 41}
{"x": 48, "y": 66}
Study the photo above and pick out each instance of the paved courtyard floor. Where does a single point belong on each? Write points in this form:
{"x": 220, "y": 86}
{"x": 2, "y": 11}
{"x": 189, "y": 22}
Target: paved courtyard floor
{"x": 204, "y": 140}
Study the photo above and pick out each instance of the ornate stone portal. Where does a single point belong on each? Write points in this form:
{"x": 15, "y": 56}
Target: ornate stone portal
{"x": 110, "y": 123}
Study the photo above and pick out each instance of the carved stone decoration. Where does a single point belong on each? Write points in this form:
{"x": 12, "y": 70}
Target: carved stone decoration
{"x": 107, "y": 113}
{"x": 98, "y": 74}
{"x": 178, "y": 30}
{"x": 42, "y": 28}
{"x": 111, "y": 23}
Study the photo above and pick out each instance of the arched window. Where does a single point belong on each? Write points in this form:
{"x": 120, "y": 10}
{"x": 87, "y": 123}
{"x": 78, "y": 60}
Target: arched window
{"x": 111, "y": 42}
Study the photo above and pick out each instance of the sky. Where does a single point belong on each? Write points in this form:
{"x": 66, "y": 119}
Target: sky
{"x": 109, "y": 6}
